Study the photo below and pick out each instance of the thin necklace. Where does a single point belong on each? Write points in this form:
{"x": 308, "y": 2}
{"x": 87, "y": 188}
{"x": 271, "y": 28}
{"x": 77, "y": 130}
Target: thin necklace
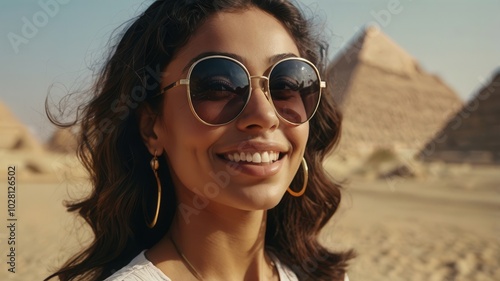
{"x": 186, "y": 261}
{"x": 190, "y": 266}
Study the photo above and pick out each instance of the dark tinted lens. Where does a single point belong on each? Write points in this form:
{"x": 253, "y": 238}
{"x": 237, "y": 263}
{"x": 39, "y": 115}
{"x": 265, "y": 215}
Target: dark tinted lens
{"x": 295, "y": 90}
{"x": 219, "y": 90}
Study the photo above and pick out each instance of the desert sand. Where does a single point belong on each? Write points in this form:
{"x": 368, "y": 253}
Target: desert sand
{"x": 445, "y": 226}
{"x": 438, "y": 229}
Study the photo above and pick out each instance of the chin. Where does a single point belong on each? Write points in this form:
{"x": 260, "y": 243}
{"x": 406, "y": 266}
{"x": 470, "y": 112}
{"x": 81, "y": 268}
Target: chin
{"x": 264, "y": 199}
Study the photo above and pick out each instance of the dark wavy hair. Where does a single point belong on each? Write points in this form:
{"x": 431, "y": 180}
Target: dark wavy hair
{"x": 112, "y": 151}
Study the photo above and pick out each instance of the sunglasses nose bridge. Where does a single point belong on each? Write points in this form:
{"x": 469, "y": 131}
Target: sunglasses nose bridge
{"x": 263, "y": 83}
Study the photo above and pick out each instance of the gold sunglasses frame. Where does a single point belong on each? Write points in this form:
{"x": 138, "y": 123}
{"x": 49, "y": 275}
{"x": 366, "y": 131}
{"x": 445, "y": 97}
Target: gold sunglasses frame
{"x": 185, "y": 81}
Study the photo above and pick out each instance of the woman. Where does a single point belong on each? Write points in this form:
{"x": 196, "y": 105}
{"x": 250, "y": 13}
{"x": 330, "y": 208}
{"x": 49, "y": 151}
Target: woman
{"x": 198, "y": 140}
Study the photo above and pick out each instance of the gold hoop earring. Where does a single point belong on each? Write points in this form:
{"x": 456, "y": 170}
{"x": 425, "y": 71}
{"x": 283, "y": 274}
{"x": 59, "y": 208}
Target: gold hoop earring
{"x": 305, "y": 171}
{"x": 155, "y": 165}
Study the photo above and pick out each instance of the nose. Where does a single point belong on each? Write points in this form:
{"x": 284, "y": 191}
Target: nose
{"x": 259, "y": 114}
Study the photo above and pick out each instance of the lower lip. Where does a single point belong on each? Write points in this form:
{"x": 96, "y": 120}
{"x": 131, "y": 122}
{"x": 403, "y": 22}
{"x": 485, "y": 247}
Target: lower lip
{"x": 256, "y": 170}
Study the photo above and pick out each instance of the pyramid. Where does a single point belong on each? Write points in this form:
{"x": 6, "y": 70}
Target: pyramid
{"x": 14, "y": 135}
{"x": 387, "y": 100}
{"x": 63, "y": 140}
{"x": 19, "y": 148}
{"x": 473, "y": 134}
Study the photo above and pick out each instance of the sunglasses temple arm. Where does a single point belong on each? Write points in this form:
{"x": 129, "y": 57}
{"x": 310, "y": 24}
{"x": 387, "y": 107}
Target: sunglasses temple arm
{"x": 173, "y": 85}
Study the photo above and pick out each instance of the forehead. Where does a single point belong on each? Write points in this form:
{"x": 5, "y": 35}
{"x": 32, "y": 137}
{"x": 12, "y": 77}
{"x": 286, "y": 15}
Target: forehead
{"x": 252, "y": 34}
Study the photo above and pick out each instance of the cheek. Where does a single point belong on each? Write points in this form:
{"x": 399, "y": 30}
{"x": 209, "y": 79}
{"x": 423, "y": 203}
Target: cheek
{"x": 179, "y": 125}
{"x": 186, "y": 139}
{"x": 187, "y": 144}
{"x": 298, "y": 136}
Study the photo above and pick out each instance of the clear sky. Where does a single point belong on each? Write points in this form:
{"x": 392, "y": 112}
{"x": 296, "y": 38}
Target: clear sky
{"x": 57, "y": 43}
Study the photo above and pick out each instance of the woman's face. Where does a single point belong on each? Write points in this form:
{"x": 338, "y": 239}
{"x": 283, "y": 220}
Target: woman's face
{"x": 201, "y": 157}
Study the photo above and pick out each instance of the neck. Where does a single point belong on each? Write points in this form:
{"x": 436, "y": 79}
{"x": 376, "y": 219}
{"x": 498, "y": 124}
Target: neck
{"x": 219, "y": 241}
{"x": 223, "y": 244}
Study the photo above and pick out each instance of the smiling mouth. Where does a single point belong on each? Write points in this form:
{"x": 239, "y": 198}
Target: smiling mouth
{"x": 253, "y": 157}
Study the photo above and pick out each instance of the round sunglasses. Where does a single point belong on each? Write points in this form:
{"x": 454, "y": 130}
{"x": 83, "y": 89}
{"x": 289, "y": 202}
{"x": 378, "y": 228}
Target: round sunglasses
{"x": 219, "y": 88}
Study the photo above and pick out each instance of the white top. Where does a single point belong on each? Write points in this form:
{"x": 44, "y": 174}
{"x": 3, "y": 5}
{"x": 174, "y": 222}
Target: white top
{"x": 141, "y": 269}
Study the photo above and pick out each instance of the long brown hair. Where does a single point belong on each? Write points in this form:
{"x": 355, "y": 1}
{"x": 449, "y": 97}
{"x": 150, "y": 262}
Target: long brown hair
{"x": 111, "y": 149}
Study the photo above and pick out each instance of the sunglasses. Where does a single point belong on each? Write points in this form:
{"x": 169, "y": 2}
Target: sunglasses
{"x": 219, "y": 89}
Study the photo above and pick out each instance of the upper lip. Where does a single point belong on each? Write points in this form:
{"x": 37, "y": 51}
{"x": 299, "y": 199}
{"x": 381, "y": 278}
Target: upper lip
{"x": 254, "y": 146}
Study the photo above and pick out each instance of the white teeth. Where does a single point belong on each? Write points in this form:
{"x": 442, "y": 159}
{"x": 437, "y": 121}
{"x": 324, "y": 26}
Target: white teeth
{"x": 256, "y": 157}
{"x": 274, "y": 156}
{"x": 265, "y": 157}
